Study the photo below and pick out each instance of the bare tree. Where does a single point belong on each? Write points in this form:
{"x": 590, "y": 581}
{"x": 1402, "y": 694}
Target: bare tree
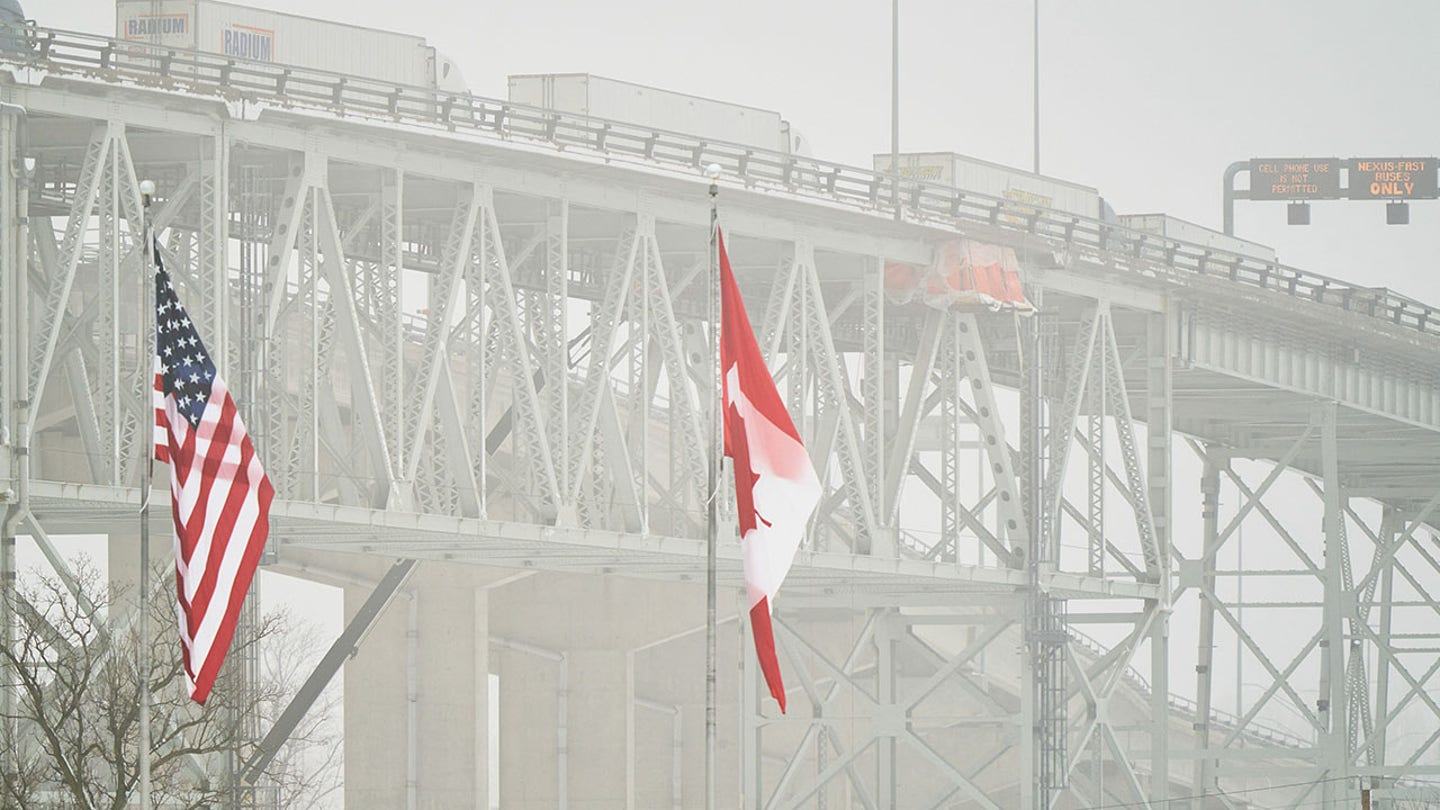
{"x": 74, "y": 722}
{"x": 306, "y": 771}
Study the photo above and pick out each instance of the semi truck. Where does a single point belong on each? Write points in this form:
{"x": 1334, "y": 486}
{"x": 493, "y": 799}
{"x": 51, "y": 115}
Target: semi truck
{"x": 13, "y": 27}
{"x": 1021, "y": 190}
{"x": 598, "y": 97}
{"x": 262, "y": 35}
{"x": 1222, "y": 246}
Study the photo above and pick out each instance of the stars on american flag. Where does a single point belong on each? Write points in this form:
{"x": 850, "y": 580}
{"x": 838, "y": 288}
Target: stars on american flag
{"x": 185, "y": 366}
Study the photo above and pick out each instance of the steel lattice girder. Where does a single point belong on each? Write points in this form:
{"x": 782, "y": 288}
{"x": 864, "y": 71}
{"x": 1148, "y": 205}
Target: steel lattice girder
{"x": 551, "y": 417}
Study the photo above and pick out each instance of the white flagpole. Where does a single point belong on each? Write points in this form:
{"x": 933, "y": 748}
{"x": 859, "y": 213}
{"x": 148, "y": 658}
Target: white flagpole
{"x": 712, "y": 518}
{"x": 146, "y": 352}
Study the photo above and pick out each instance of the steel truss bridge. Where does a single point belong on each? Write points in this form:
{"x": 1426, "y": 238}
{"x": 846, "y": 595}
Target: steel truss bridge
{"x": 472, "y": 333}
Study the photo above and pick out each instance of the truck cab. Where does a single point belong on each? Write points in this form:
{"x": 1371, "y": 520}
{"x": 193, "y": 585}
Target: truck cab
{"x": 14, "y": 36}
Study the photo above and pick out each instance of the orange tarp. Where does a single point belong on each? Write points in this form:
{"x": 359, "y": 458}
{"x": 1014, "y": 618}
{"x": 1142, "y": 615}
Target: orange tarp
{"x": 964, "y": 273}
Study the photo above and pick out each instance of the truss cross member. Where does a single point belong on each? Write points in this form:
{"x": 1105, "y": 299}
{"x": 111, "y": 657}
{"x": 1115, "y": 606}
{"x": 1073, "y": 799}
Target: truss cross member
{"x": 344, "y": 647}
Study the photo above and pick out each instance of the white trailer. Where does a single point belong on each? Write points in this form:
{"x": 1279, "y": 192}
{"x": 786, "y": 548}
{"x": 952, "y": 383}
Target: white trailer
{"x": 262, "y": 35}
{"x": 613, "y": 100}
{"x": 1224, "y": 247}
{"x": 1021, "y": 189}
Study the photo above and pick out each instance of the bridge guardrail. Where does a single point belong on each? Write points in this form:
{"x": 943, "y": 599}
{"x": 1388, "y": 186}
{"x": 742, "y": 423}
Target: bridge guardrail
{"x": 65, "y": 52}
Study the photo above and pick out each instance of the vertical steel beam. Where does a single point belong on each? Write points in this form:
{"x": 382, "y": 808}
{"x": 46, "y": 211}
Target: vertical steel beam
{"x": 873, "y": 382}
{"x": 1203, "y": 782}
{"x": 949, "y": 366}
{"x": 1160, "y": 351}
{"x": 798, "y": 345}
{"x": 1044, "y": 771}
{"x": 12, "y": 361}
{"x": 213, "y": 244}
{"x": 1033, "y": 452}
{"x": 554, "y": 350}
{"x": 1095, "y": 437}
{"x": 107, "y": 331}
{"x": 1390, "y": 527}
{"x": 390, "y": 312}
{"x": 886, "y": 694}
{"x": 1333, "y": 714}
{"x": 10, "y": 256}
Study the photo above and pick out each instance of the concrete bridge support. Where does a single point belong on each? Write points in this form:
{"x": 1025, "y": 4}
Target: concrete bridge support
{"x": 596, "y": 675}
{"x": 600, "y": 682}
{"x": 416, "y": 694}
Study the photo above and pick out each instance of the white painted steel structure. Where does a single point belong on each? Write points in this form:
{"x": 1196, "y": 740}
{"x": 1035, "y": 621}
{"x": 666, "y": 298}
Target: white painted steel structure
{"x": 468, "y": 331}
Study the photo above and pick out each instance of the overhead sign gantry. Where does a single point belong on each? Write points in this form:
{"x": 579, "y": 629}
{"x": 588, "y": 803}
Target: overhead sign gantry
{"x": 1397, "y": 180}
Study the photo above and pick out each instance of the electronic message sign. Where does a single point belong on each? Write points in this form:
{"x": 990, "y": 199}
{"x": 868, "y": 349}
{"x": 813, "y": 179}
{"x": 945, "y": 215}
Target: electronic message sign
{"x": 1294, "y": 179}
{"x": 1392, "y": 179}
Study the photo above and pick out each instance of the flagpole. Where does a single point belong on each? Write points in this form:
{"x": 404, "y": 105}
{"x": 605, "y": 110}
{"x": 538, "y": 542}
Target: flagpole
{"x": 712, "y": 522}
{"x": 146, "y": 347}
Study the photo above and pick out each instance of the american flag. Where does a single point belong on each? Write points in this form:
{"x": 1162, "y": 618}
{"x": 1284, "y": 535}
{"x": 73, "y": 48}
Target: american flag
{"x": 219, "y": 494}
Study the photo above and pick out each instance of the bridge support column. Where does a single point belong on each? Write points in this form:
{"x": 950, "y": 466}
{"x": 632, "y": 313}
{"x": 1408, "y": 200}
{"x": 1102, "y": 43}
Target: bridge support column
{"x": 123, "y": 567}
{"x": 417, "y": 693}
{"x": 587, "y": 662}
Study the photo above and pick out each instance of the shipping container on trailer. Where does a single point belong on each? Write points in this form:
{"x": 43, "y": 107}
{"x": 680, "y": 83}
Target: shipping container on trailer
{"x": 640, "y": 105}
{"x": 263, "y": 35}
{"x": 1023, "y": 191}
{"x": 1224, "y": 247}
{"x": 13, "y": 35}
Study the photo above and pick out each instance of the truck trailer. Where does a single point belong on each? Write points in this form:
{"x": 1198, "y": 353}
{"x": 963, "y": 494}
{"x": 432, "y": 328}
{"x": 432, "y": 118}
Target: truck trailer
{"x": 261, "y": 35}
{"x": 1022, "y": 191}
{"x": 13, "y": 27}
{"x": 625, "y": 102}
{"x": 1222, "y": 246}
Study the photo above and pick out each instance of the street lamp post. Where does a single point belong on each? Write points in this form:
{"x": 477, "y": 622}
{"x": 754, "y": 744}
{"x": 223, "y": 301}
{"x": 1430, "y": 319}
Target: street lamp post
{"x": 895, "y": 106}
{"x": 1035, "y": 46}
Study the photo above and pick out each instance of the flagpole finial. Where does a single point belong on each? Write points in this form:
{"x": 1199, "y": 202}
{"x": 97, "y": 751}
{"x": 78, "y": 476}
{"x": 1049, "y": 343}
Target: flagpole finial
{"x": 147, "y": 188}
{"x": 712, "y": 171}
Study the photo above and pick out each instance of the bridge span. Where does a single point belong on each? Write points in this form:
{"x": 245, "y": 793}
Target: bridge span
{"x": 472, "y": 334}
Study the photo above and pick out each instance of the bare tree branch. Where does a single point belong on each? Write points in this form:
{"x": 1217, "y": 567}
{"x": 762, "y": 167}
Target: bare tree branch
{"x": 77, "y": 711}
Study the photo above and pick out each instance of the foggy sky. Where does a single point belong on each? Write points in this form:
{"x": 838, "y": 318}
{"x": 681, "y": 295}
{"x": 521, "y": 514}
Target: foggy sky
{"x": 1147, "y": 101}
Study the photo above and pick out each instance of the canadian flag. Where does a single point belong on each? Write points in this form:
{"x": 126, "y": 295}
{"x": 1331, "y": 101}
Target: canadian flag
{"x": 776, "y": 488}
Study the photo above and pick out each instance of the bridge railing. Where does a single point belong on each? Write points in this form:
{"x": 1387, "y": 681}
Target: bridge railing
{"x": 266, "y": 85}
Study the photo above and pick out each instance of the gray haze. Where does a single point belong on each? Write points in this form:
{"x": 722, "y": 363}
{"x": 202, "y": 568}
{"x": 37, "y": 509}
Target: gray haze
{"x": 1147, "y": 101}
